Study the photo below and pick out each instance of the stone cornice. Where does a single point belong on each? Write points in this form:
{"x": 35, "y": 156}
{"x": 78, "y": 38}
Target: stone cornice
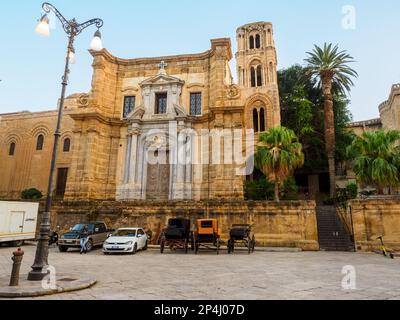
{"x": 366, "y": 123}
{"x": 97, "y": 116}
{"x": 153, "y": 60}
{"x": 253, "y": 26}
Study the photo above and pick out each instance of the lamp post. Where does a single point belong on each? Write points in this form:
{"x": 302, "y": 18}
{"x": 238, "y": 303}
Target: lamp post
{"x": 72, "y": 29}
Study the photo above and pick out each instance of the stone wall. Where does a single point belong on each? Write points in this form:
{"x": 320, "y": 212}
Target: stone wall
{"x": 374, "y": 218}
{"x": 29, "y": 167}
{"x": 287, "y": 224}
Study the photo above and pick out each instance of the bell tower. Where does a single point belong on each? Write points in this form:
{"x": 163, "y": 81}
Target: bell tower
{"x": 256, "y": 56}
{"x": 256, "y": 61}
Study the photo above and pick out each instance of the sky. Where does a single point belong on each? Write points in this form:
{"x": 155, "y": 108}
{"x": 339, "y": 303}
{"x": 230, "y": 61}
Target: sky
{"x": 31, "y": 66}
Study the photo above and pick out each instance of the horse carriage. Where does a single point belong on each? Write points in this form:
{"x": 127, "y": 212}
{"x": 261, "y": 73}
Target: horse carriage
{"x": 241, "y": 234}
{"x": 207, "y": 235}
{"x": 177, "y": 235}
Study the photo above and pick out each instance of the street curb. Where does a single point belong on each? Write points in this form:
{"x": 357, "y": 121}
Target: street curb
{"x": 64, "y": 283}
{"x": 257, "y": 249}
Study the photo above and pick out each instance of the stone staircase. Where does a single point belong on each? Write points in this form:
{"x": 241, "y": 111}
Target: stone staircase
{"x": 332, "y": 233}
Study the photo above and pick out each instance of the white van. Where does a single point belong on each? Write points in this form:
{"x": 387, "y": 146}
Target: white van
{"x": 18, "y": 222}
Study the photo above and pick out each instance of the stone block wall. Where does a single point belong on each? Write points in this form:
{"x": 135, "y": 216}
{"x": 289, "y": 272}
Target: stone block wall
{"x": 374, "y": 218}
{"x": 286, "y": 224}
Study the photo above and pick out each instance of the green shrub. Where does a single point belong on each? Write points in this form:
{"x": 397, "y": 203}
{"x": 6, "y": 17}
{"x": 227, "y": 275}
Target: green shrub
{"x": 31, "y": 194}
{"x": 264, "y": 190}
{"x": 352, "y": 190}
{"x": 289, "y": 190}
{"x": 259, "y": 190}
{"x": 343, "y": 195}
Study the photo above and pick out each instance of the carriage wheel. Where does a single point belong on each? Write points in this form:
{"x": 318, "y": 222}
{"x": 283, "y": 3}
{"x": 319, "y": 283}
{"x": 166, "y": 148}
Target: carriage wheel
{"x": 186, "y": 245}
{"x": 192, "y": 241}
{"x": 229, "y": 246}
{"x": 249, "y": 245}
{"x": 162, "y": 245}
{"x": 196, "y": 246}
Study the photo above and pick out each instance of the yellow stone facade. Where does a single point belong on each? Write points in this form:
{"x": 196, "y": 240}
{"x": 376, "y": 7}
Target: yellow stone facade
{"x": 104, "y": 139}
{"x": 390, "y": 109}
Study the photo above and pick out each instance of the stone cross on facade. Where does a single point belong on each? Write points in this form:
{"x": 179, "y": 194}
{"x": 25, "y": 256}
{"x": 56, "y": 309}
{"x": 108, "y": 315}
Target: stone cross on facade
{"x": 162, "y": 66}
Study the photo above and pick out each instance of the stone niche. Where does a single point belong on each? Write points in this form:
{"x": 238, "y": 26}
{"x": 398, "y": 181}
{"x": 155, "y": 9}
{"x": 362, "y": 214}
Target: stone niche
{"x": 286, "y": 224}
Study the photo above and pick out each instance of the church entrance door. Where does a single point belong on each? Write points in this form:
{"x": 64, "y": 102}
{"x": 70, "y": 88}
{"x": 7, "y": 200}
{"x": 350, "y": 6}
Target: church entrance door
{"x": 158, "y": 181}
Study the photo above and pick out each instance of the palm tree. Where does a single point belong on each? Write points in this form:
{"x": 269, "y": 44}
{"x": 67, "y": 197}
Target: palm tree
{"x": 377, "y": 159}
{"x": 328, "y": 67}
{"x": 278, "y": 154}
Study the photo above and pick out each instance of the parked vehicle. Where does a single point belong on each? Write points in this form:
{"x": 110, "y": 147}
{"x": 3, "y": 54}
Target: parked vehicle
{"x": 126, "y": 240}
{"x": 98, "y": 233}
{"x": 18, "y": 221}
{"x": 241, "y": 234}
{"x": 207, "y": 235}
{"x": 176, "y": 235}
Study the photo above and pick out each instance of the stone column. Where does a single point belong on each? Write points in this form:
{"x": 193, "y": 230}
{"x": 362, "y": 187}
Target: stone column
{"x": 127, "y": 159}
{"x": 133, "y": 157}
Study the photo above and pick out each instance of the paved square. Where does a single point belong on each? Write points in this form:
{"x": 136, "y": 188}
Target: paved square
{"x": 263, "y": 275}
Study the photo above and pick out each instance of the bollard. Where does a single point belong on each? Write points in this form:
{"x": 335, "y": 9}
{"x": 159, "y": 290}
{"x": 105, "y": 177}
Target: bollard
{"x": 17, "y": 260}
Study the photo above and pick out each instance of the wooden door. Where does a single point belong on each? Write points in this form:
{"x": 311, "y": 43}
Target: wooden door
{"x": 62, "y": 176}
{"x": 158, "y": 178}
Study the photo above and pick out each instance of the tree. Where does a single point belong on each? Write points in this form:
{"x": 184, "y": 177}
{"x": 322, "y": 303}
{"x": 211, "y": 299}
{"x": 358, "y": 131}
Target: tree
{"x": 328, "y": 67}
{"x": 278, "y": 154}
{"x": 302, "y": 111}
{"x": 31, "y": 194}
{"x": 377, "y": 159}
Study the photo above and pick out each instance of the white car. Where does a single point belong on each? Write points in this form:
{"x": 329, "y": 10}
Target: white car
{"x": 126, "y": 240}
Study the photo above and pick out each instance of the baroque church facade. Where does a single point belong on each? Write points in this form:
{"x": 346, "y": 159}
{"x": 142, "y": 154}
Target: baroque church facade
{"x": 140, "y": 111}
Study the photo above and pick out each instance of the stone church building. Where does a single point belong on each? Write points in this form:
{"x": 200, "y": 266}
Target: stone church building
{"x": 150, "y": 108}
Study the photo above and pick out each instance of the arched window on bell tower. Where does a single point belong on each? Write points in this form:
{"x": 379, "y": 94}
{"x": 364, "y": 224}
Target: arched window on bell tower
{"x": 255, "y": 120}
{"x": 258, "y": 41}
{"x": 262, "y": 120}
{"x": 259, "y": 76}
{"x": 251, "y": 40}
{"x": 253, "y": 77}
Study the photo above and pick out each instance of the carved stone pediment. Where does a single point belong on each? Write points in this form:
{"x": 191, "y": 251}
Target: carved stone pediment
{"x": 137, "y": 114}
{"x": 162, "y": 79}
{"x": 180, "y": 112}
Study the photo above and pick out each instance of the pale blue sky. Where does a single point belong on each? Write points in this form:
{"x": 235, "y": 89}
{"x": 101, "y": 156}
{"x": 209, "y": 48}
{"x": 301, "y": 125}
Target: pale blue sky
{"x": 31, "y": 66}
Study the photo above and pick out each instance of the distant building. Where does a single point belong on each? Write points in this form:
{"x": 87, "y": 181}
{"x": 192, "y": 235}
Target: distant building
{"x": 360, "y": 127}
{"x": 389, "y": 115}
{"x": 390, "y": 109}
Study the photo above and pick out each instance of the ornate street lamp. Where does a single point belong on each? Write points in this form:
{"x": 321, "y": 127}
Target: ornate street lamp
{"x": 72, "y": 29}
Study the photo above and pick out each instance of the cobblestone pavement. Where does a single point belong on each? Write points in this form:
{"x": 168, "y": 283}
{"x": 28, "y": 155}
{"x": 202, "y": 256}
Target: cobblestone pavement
{"x": 263, "y": 275}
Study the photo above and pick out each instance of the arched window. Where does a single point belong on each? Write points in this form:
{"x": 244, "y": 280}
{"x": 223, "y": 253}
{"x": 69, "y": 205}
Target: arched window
{"x": 258, "y": 41}
{"x": 11, "y": 151}
{"x": 255, "y": 120}
{"x": 259, "y": 76}
{"x": 251, "y": 42}
{"x": 253, "y": 77}
{"x": 40, "y": 142}
{"x": 262, "y": 120}
{"x": 67, "y": 145}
